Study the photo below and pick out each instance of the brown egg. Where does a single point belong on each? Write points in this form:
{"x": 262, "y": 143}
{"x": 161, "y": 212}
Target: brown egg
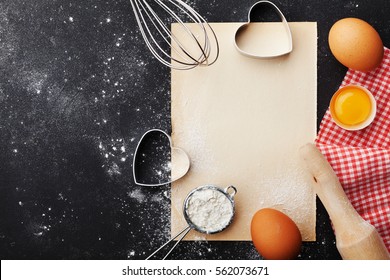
{"x": 356, "y": 44}
{"x": 275, "y": 235}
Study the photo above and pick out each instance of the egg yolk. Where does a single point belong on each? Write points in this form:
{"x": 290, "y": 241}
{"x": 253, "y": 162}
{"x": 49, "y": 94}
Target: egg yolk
{"x": 352, "y": 106}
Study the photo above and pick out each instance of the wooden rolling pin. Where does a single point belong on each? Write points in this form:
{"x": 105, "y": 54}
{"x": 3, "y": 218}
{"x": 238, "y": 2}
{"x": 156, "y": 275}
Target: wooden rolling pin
{"x": 355, "y": 237}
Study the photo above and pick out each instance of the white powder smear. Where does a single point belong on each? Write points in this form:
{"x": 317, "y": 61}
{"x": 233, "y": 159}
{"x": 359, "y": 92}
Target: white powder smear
{"x": 209, "y": 209}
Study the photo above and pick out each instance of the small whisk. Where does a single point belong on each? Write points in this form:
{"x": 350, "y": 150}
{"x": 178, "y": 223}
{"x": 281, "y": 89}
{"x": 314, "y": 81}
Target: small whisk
{"x": 192, "y": 44}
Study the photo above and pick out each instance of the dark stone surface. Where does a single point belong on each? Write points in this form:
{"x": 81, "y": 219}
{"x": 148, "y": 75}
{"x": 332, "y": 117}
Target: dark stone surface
{"x": 78, "y": 88}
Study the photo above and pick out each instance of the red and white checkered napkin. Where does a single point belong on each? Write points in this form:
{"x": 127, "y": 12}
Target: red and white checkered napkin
{"x": 361, "y": 159}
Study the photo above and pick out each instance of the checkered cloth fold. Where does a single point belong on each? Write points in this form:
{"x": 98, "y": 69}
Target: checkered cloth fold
{"x": 361, "y": 159}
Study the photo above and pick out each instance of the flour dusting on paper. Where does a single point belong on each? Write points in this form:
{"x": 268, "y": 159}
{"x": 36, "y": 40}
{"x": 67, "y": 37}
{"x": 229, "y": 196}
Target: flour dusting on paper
{"x": 242, "y": 121}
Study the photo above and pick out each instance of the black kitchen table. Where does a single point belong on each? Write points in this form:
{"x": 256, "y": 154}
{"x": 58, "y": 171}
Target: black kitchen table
{"x": 78, "y": 88}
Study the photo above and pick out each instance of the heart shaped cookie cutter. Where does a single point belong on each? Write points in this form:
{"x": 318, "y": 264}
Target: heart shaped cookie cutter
{"x": 241, "y": 29}
{"x": 179, "y": 159}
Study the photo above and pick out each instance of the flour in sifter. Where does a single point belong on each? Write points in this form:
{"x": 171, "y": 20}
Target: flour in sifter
{"x": 210, "y": 210}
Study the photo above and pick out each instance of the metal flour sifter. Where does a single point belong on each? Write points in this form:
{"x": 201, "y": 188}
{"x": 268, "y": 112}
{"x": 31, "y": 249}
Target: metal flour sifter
{"x": 205, "y": 197}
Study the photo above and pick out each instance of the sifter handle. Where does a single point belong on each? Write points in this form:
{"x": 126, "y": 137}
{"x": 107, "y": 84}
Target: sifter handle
{"x": 184, "y": 232}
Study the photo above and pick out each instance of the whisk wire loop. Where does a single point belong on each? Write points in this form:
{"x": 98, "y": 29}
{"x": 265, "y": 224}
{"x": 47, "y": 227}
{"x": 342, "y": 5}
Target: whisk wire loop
{"x": 196, "y": 48}
{"x": 170, "y": 35}
{"x": 139, "y": 6}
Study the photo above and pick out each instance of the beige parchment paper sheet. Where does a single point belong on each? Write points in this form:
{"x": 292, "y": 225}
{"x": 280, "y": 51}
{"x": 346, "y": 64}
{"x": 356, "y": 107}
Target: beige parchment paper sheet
{"x": 242, "y": 121}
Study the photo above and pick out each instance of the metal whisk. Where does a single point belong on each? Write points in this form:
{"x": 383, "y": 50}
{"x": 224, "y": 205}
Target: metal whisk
{"x": 194, "y": 43}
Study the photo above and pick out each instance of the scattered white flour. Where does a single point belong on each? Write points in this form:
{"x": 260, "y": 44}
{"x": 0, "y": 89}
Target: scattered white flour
{"x": 138, "y": 195}
{"x": 209, "y": 209}
{"x": 130, "y": 254}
